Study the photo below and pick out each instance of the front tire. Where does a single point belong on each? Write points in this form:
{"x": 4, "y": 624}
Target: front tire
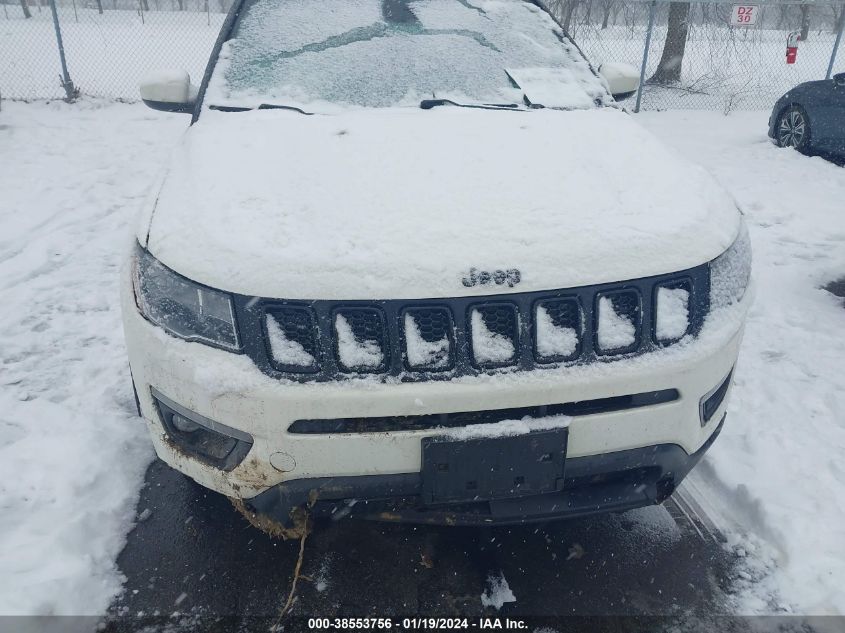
{"x": 793, "y": 129}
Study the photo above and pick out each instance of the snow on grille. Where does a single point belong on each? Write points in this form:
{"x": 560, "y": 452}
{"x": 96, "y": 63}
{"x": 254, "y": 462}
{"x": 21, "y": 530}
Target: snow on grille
{"x": 616, "y": 331}
{"x": 489, "y": 347}
{"x": 423, "y": 353}
{"x": 354, "y": 352}
{"x": 672, "y": 313}
{"x": 285, "y": 351}
{"x": 553, "y": 340}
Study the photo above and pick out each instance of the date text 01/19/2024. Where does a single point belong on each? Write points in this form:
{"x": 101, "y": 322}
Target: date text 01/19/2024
{"x": 416, "y": 624}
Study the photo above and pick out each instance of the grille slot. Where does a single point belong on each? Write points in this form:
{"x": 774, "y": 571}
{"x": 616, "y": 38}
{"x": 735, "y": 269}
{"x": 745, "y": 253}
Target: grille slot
{"x": 374, "y": 337}
{"x": 668, "y": 322}
{"x": 360, "y": 340}
{"x": 292, "y": 339}
{"x": 494, "y": 333}
{"x": 618, "y": 318}
{"x": 428, "y": 337}
{"x": 558, "y": 327}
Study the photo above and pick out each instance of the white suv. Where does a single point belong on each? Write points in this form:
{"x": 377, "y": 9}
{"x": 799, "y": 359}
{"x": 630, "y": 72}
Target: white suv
{"x": 412, "y": 262}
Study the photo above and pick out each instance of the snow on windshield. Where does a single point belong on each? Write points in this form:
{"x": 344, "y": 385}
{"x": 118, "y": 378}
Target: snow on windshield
{"x": 380, "y": 53}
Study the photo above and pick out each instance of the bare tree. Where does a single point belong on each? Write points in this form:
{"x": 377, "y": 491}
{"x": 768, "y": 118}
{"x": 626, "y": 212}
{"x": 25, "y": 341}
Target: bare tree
{"x": 838, "y": 17}
{"x": 606, "y": 8}
{"x": 669, "y": 68}
{"x": 100, "y": 7}
{"x": 26, "y": 13}
{"x": 805, "y": 22}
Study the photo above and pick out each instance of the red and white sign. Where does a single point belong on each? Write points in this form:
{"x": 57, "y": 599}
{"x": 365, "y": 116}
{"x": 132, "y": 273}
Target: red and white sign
{"x": 744, "y": 14}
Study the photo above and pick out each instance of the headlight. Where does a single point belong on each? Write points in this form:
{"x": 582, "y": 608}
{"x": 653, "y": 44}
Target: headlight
{"x": 181, "y": 307}
{"x": 730, "y": 271}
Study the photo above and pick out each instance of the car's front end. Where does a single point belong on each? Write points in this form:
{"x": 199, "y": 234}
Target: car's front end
{"x": 625, "y": 426}
{"x": 495, "y": 313}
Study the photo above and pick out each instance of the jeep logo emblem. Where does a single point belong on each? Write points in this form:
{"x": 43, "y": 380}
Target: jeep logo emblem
{"x": 476, "y": 277}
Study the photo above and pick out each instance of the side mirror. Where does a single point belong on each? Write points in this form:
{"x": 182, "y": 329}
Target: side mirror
{"x": 169, "y": 91}
{"x": 622, "y": 79}
{"x": 839, "y": 79}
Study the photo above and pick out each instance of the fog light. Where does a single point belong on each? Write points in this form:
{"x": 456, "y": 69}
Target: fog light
{"x": 208, "y": 441}
{"x": 183, "y": 424}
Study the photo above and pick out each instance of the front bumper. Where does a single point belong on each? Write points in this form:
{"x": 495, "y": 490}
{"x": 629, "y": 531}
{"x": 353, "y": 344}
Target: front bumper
{"x": 609, "y": 482}
{"x": 661, "y": 442}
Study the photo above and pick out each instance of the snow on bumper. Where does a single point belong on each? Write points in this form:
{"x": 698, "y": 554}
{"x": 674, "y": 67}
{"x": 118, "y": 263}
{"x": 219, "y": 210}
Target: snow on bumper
{"x": 229, "y": 389}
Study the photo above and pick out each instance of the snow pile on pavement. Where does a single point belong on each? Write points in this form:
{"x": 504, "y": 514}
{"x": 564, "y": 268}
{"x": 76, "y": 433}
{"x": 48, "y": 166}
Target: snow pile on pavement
{"x": 497, "y": 592}
{"x": 72, "y": 452}
{"x": 776, "y": 471}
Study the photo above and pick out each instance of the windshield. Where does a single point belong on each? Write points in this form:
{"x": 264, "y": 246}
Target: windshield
{"x": 323, "y": 54}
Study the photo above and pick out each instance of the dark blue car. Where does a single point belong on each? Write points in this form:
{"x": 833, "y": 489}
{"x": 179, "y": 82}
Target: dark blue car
{"x": 811, "y": 117}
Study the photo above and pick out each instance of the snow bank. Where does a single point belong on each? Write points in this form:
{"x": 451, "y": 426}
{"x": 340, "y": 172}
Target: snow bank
{"x": 72, "y": 451}
{"x": 775, "y": 474}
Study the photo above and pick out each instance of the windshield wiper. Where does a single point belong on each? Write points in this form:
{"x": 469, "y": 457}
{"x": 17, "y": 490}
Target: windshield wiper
{"x": 263, "y": 106}
{"x": 428, "y": 104}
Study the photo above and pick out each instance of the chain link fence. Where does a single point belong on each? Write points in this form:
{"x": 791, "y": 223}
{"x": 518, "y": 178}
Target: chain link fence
{"x": 696, "y": 59}
{"x": 109, "y": 44}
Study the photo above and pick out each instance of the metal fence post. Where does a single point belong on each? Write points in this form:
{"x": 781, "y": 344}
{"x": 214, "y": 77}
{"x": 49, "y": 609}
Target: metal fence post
{"x": 836, "y": 44}
{"x": 651, "y": 9}
{"x": 70, "y": 90}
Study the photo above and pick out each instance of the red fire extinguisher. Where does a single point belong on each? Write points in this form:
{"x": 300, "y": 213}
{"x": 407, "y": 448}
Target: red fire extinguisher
{"x": 792, "y": 47}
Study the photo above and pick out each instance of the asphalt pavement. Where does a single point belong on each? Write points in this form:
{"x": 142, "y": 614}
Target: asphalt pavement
{"x": 193, "y": 557}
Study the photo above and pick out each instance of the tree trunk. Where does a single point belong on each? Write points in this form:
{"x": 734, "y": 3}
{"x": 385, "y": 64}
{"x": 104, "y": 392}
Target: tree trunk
{"x": 605, "y": 17}
{"x": 669, "y": 68}
{"x": 805, "y": 22}
{"x": 26, "y": 13}
{"x": 100, "y": 7}
{"x": 570, "y": 10}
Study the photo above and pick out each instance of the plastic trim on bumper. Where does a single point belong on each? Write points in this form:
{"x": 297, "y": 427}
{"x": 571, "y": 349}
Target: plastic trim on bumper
{"x": 607, "y": 482}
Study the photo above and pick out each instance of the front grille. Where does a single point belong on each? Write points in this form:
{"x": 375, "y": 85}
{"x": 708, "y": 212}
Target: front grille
{"x": 443, "y": 338}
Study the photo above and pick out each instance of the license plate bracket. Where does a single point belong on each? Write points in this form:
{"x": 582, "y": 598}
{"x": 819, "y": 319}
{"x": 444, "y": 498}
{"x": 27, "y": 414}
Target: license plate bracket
{"x": 483, "y": 469}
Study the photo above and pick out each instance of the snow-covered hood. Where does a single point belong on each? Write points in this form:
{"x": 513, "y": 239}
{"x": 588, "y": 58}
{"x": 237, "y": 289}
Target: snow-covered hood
{"x": 404, "y": 203}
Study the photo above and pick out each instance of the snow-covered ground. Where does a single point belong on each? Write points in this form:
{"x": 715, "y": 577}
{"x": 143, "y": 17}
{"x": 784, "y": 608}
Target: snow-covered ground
{"x": 72, "y": 456}
{"x": 776, "y": 473}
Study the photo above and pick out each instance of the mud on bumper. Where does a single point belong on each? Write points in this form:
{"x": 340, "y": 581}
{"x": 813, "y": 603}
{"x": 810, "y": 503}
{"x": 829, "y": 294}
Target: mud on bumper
{"x": 609, "y": 482}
